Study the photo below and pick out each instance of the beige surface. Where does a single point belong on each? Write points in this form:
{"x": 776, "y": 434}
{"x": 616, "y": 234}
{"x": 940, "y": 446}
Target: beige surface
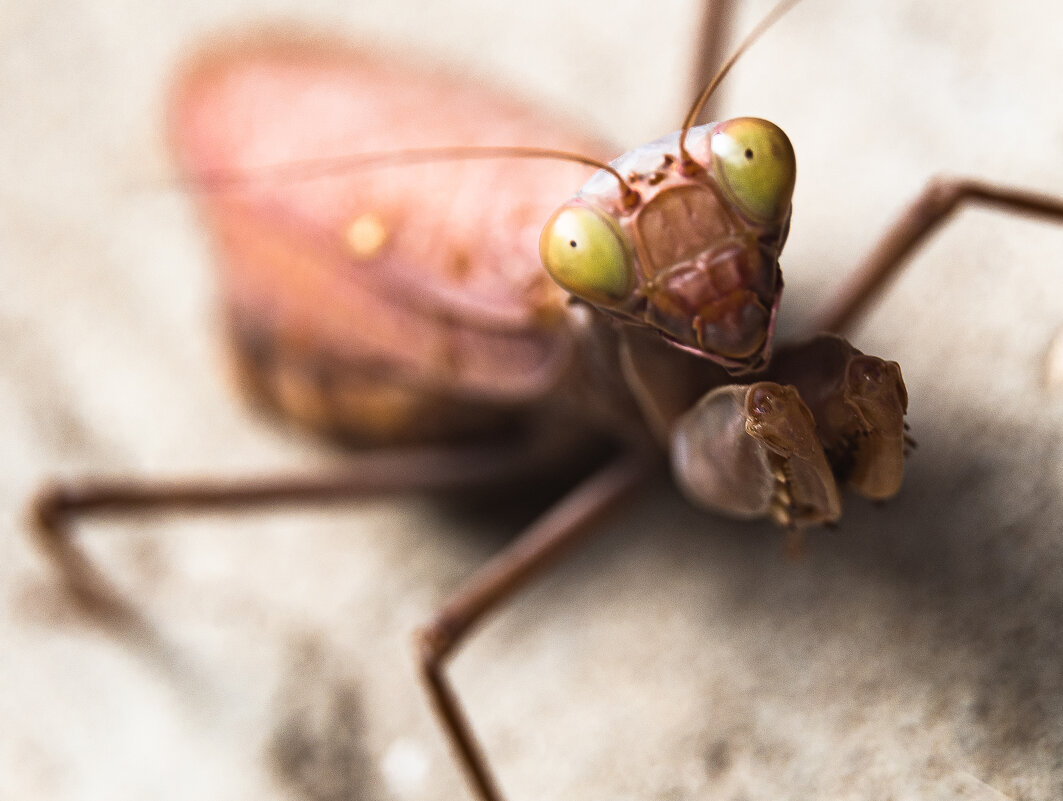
{"x": 916, "y": 653}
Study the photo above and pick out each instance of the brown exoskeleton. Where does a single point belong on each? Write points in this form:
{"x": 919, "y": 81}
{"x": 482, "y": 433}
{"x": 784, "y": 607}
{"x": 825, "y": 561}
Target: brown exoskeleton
{"x": 749, "y": 433}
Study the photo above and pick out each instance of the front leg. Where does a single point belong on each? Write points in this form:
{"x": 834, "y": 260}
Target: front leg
{"x": 752, "y": 451}
{"x": 859, "y": 403}
{"x": 828, "y": 416}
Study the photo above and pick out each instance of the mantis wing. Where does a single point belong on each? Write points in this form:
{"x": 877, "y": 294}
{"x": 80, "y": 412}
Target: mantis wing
{"x": 394, "y": 302}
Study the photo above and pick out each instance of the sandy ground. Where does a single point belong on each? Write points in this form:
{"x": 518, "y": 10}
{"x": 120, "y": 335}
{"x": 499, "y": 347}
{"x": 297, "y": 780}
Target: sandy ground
{"x": 915, "y": 653}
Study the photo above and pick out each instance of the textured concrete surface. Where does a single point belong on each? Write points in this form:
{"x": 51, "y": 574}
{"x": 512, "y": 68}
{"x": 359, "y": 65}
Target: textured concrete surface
{"x": 915, "y": 653}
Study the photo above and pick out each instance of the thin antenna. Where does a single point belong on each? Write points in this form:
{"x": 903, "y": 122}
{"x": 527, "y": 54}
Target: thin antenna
{"x": 313, "y": 169}
{"x": 770, "y": 19}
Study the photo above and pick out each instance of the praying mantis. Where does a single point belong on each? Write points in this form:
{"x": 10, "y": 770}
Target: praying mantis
{"x": 794, "y": 259}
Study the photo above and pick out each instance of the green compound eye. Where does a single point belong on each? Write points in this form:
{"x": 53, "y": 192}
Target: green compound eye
{"x": 756, "y": 165}
{"x": 583, "y": 252}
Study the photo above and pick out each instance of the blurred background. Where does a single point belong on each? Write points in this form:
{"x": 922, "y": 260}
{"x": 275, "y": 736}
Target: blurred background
{"x": 913, "y": 653}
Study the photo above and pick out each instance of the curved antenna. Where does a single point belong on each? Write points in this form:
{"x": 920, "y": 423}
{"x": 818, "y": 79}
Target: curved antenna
{"x": 313, "y": 169}
{"x": 773, "y": 16}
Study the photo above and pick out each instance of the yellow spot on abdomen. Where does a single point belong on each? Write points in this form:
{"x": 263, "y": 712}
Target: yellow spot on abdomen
{"x": 366, "y": 235}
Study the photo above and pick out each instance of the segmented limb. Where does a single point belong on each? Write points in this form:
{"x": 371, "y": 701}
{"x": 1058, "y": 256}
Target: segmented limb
{"x": 543, "y": 542}
{"x": 57, "y": 507}
{"x": 715, "y": 23}
{"x": 930, "y": 211}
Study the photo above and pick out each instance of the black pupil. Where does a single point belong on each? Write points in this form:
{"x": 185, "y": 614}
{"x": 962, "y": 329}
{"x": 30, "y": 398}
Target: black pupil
{"x": 572, "y": 243}
{"x": 749, "y": 153}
